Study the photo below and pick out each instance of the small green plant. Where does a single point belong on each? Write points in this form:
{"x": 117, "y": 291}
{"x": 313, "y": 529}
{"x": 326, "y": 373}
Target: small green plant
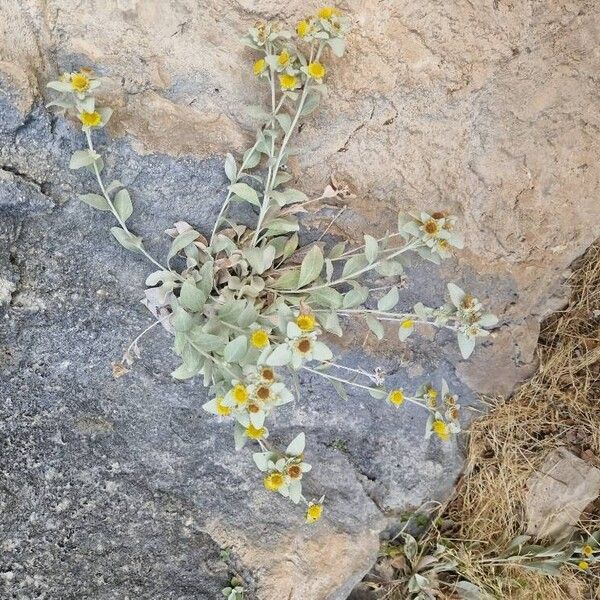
{"x": 235, "y": 590}
{"x": 248, "y": 305}
{"x": 429, "y": 565}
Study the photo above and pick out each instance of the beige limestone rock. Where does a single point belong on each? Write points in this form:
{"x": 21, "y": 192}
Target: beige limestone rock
{"x": 557, "y": 494}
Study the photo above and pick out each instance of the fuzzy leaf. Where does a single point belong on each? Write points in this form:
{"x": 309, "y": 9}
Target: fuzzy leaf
{"x": 245, "y": 192}
{"x": 230, "y": 168}
{"x": 389, "y": 301}
{"x": 371, "y": 248}
{"x": 123, "y": 204}
{"x": 375, "y": 326}
{"x": 181, "y": 241}
{"x": 127, "y": 240}
{"x": 81, "y": 158}
{"x": 191, "y": 297}
{"x": 236, "y": 349}
{"x": 311, "y": 267}
{"x": 95, "y": 200}
{"x": 296, "y": 446}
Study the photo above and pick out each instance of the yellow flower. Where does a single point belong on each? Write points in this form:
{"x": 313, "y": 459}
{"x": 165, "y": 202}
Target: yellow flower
{"x": 283, "y": 60}
{"x": 303, "y": 28}
{"x": 316, "y": 70}
{"x": 431, "y": 393}
{"x": 221, "y": 408}
{"x": 584, "y": 565}
{"x": 441, "y": 430}
{"x": 255, "y": 433}
{"x": 587, "y": 550}
{"x": 288, "y": 82}
{"x": 274, "y": 482}
{"x": 408, "y": 324}
{"x": 306, "y": 322}
{"x": 259, "y": 339}
{"x": 259, "y": 66}
{"x": 314, "y": 512}
{"x": 240, "y": 394}
{"x": 91, "y": 119}
{"x": 80, "y": 82}
{"x": 396, "y": 397}
{"x": 327, "y": 12}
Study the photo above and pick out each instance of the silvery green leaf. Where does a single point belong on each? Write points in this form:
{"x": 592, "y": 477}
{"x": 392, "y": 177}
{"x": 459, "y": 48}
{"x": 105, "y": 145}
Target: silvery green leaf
{"x": 375, "y": 326}
{"x": 354, "y": 265}
{"x": 123, "y": 205}
{"x": 417, "y": 582}
{"x": 113, "y": 185}
{"x": 337, "y": 250}
{"x": 127, "y": 240}
{"x": 311, "y": 267}
{"x": 66, "y": 103}
{"x": 411, "y": 548}
{"x": 81, "y": 158}
{"x": 327, "y": 297}
{"x": 428, "y": 255}
{"x": 255, "y": 258}
{"x": 290, "y": 246}
{"x": 371, "y": 248}
{"x": 95, "y": 200}
{"x": 181, "y": 241}
{"x": 338, "y": 45}
{"x": 257, "y": 112}
{"x": 340, "y": 389}
{"x": 191, "y": 297}
{"x": 389, "y": 301}
{"x": 466, "y": 344}
{"x": 185, "y": 371}
{"x": 310, "y": 104}
{"x": 230, "y": 168}
{"x": 296, "y": 446}
{"x": 261, "y": 460}
{"x": 378, "y": 393}
{"x": 236, "y": 349}
{"x": 247, "y": 316}
{"x": 295, "y": 491}
{"x": 285, "y": 121}
{"x": 404, "y": 333}
{"x": 59, "y": 86}
{"x": 287, "y": 281}
{"x": 355, "y": 297}
{"x": 456, "y": 294}
{"x": 182, "y": 320}
{"x": 282, "y": 177}
{"x": 207, "y": 342}
{"x": 294, "y": 196}
{"x": 257, "y": 419}
{"x": 106, "y": 114}
{"x": 488, "y": 320}
{"x": 245, "y": 192}
{"x": 251, "y": 158}
{"x": 283, "y": 226}
{"x": 239, "y": 437}
{"x": 331, "y": 323}
{"x": 281, "y": 356}
{"x": 321, "y": 352}
{"x": 389, "y": 268}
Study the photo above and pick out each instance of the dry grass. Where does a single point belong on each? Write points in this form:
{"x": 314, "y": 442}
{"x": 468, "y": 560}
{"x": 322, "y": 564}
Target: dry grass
{"x": 559, "y": 406}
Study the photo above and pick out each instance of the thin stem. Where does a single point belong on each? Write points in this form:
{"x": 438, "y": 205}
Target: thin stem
{"x": 373, "y": 265}
{"x": 353, "y": 250}
{"x": 112, "y": 207}
{"x": 141, "y": 335}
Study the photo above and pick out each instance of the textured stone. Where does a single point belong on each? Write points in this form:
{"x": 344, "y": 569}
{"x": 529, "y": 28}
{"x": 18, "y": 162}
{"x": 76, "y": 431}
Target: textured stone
{"x": 124, "y": 488}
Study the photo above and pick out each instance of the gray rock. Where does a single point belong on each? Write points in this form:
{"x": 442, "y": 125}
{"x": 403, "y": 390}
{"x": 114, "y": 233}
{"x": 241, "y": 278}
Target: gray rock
{"x": 126, "y": 488}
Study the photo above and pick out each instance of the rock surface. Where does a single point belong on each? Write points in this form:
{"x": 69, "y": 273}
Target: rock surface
{"x": 124, "y": 488}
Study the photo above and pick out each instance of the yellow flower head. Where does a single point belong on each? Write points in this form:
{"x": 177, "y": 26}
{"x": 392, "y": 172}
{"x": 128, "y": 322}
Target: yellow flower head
{"x": 221, "y": 408}
{"x": 91, "y": 119}
{"x": 314, "y": 512}
{"x": 259, "y": 339}
{"x": 587, "y": 550}
{"x": 240, "y": 394}
{"x": 408, "y": 324}
{"x": 441, "y": 430}
{"x": 306, "y": 322}
{"x": 274, "y": 481}
{"x": 80, "y": 82}
{"x": 303, "y": 28}
{"x": 584, "y": 565}
{"x": 284, "y": 59}
{"x": 255, "y": 433}
{"x": 396, "y": 397}
{"x": 259, "y": 66}
{"x": 327, "y": 12}
{"x": 288, "y": 82}
{"x": 316, "y": 70}
{"x": 431, "y": 393}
